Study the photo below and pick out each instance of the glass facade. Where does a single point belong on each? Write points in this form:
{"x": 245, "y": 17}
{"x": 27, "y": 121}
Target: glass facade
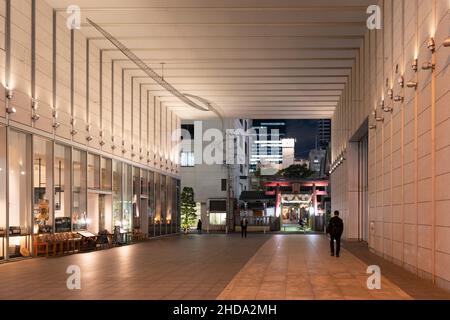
{"x": 3, "y": 232}
{"x": 19, "y": 185}
{"x": 42, "y": 185}
{"x": 79, "y": 190}
{"x": 47, "y": 187}
{"x": 63, "y": 186}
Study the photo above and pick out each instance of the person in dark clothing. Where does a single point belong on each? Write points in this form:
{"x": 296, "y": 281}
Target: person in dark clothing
{"x": 335, "y": 230}
{"x": 199, "y": 226}
{"x": 244, "y": 224}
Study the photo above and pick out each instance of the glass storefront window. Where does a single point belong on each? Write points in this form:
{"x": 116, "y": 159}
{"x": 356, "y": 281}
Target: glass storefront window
{"x": 216, "y": 218}
{"x": 93, "y": 174}
{"x": 62, "y": 187}
{"x": 169, "y": 204}
{"x": 117, "y": 193}
{"x": 106, "y": 167}
{"x": 136, "y": 198}
{"x": 151, "y": 204}
{"x": 158, "y": 217}
{"x": 2, "y": 192}
{"x": 42, "y": 185}
{"x": 20, "y": 174}
{"x": 79, "y": 191}
{"x": 127, "y": 218}
{"x": 163, "y": 195}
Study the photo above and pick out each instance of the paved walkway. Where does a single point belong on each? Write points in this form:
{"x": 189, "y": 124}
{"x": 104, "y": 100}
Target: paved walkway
{"x": 208, "y": 267}
{"x": 300, "y": 267}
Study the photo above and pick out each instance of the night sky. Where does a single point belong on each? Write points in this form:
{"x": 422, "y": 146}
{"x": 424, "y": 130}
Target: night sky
{"x": 304, "y": 131}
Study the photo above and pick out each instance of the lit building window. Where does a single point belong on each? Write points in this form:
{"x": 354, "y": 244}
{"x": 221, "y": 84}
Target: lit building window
{"x": 187, "y": 159}
{"x": 217, "y": 218}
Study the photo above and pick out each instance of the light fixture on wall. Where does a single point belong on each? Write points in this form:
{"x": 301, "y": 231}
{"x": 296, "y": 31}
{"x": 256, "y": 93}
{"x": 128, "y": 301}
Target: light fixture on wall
{"x": 431, "y": 45}
{"x": 415, "y": 65}
{"x": 113, "y": 147}
{"x": 399, "y": 99}
{"x": 34, "y": 104}
{"x": 384, "y": 108}
{"x": 401, "y": 81}
{"x": 9, "y": 93}
{"x": 447, "y": 42}
{"x": 89, "y": 138}
{"x": 35, "y": 117}
{"x": 55, "y": 114}
{"x": 412, "y": 84}
{"x": 102, "y": 143}
{"x": 74, "y": 132}
{"x": 428, "y": 66}
{"x": 56, "y": 125}
{"x": 11, "y": 110}
{"x": 372, "y": 127}
{"x": 390, "y": 93}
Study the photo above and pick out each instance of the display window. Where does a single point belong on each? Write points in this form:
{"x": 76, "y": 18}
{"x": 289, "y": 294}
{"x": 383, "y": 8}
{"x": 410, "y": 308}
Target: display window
{"x": 106, "y": 174}
{"x": 62, "y": 186}
{"x": 79, "y": 190}
{"x": 136, "y": 199}
{"x": 42, "y": 185}
{"x": 20, "y": 177}
{"x": 2, "y": 192}
{"x": 127, "y": 217}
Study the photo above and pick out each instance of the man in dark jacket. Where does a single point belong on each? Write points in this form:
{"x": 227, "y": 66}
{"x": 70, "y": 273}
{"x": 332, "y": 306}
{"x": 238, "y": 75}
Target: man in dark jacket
{"x": 199, "y": 226}
{"x": 244, "y": 224}
{"x": 335, "y": 230}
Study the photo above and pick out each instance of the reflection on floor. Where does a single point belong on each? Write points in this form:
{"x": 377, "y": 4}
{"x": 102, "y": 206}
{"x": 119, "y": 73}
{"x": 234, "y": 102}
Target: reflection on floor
{"x": 199, "y": 267}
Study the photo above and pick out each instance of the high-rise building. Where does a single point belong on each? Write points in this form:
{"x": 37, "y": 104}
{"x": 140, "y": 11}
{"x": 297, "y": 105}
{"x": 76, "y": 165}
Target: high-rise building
{"x": 324, "y": 133}
{"x": 266, "y": 145}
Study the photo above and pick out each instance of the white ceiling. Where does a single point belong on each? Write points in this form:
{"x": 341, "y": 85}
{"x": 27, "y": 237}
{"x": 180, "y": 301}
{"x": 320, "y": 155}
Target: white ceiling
{"x": 251, "y": 58}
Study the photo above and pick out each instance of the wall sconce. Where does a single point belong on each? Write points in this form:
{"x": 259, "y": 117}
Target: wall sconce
{"x": 34, "y": 104}
{"x": 55, "y": 114}
{"x": 401, "y": 81}
{"x": 431, "y": 45}
{"x": 56, "y": 125}
{"x": 35, "y": 117}
{"x": 89, "y": 138}
{"x": 9, "y": 93}
{"x": 398, "y": 99}
{"x": 11, "y": 110}
{"x": 415, "y": 65}
{"x": 124, "y": 151}
{"x": 384, "y": 108}
{"x": 372, "y": 127}
{"x": 379, "y": 119}
{"x": 447, "y": 42}
{"x": 113, "y": 147}
{"x": 74, "y": 132}
{"x": 412, "y": 84}
{"x": 102, "y": 143}
{"x": 390, "y": 93}
{"x": 428, "y": 66}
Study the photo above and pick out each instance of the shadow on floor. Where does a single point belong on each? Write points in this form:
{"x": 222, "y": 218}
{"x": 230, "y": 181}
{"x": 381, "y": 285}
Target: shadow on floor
{"x": 416, "y": 287}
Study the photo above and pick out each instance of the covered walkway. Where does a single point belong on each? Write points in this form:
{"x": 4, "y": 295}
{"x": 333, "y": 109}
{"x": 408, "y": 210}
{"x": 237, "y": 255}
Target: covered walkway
{"x": 212, "y": 267}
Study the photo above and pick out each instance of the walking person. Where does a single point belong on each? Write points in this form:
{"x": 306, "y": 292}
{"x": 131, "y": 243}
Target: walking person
{"x": 335, "y": 229}
{"x": 244, "y": 224}
{"x": 199, "y": 226}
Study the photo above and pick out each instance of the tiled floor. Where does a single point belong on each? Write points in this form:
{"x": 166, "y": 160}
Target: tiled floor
{"x": 209, "y": 267}
{"x": 192, "y": 267}
{"x": 300, "y": 267}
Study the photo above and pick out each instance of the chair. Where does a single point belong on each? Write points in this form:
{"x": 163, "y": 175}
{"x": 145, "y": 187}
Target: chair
{"x": 40, "y": 243}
